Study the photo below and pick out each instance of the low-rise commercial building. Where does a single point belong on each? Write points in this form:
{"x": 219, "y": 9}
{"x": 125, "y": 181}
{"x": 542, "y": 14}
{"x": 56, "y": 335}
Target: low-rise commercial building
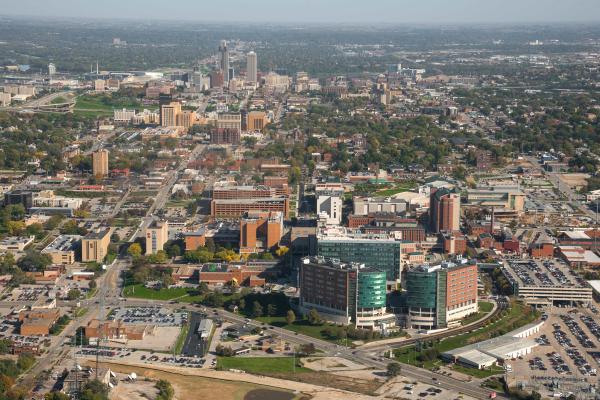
{"x": 62, "y": 249}
{"x": 235, "y": 208}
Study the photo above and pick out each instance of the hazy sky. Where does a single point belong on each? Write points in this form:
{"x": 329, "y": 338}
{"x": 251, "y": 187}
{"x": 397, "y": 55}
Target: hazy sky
{"x": 370, "y": 11}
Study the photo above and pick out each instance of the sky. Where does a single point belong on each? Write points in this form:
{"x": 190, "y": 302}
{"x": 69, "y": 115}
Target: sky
{"x": 315, "y": 11}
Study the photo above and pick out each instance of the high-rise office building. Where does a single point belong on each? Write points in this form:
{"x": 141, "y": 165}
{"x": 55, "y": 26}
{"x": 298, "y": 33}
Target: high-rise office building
{"x": 381, "y": 251}
{"x": 51, "y": 69}
{"x": 170, "y": 114}
{"x": 157, "y": 235}
{"x": 224, "y": 51}
{"x": 94, "y": 246}
{"x": 100, "y": 163}
{"x": 444, "y": 211}
{"x": 345, "y": 293}
{"x": 441, "y": 295}
{"x": 251, "y": 67}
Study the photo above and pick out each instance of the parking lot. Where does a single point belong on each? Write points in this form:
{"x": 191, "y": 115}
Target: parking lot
{"x": 568, "y": 355}
{"x": 149, "y": 315}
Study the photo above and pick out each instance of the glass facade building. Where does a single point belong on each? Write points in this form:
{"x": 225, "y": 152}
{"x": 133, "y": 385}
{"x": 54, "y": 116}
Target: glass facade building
{"x": 384, "y": 255}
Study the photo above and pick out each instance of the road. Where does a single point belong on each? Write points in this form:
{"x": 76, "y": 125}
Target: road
{"x": 556, "y": 180}
{"x": 109, "y": 284}
{"x": 163, "y": 195}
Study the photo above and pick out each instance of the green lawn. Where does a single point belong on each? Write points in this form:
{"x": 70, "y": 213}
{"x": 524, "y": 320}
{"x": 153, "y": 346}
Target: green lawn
{"x": 104, "y": 103}
{"x": 301, "y": 326}
{"x": 484, "y": 308}
{"x": 142, "y": 292}
{"x": 261, "y": 365}
{"x": 395, "y": 190}
{"x": 514, "y": 318}
{"x": 478, "y": 373}
{"x": 184, "y": 295}
{"x": 181, "y": 338}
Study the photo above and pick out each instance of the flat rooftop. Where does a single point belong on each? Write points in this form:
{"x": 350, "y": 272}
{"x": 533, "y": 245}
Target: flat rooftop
{"x": 548, "y": 273}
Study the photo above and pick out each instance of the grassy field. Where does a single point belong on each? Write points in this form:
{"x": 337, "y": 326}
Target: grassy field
{"x": 261, "y": 365}
{"x": 142, "y": 292}
{"x": 484, "y": 308}
{"x": 300, "y": 326}
{"x": 103, "y": 104}
{"x": 191, "y": 387}
{"x": 183, "y": 295}
{"x": 478, "y": 373}
{"x": 181, "y": 338}
{"x": 515, "y": 317}
{"x": 395, "y": 190}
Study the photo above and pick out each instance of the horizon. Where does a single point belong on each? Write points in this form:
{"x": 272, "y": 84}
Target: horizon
{"x": 315, "y": 12}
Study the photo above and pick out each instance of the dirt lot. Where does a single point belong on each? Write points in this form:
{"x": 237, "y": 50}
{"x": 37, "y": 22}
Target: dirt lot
{"x": 575, "y": 181}
{"x": 199, "y": 388}
{"x": 330, "y": 364}
{"x": 140, "y": 390}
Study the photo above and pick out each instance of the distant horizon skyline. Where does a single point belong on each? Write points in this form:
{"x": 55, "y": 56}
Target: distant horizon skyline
{"x": 339, "y": 12}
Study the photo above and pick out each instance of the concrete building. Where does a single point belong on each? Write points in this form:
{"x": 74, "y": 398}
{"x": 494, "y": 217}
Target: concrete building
{"x": 370, "y": 205}
{"x": 329, "y": 203}
{"x": 440, "y": 296}
{"x": 62, "y": 249}
{"x": 444, "y": 211}
{"x": 252, "y": 67}
{"x": 497, "y": 197}
{"x": 170, "y": 114}
{"x": 15, "y": 243}
{"x": 257, "y": 120}
{"x": 540, "y": 284}
{"x": 100, "y": 163}
{"x": 235, "y": 208}
{"x": 157, "y": 234}
{"x": 260, "y": 231}
{"x": 345, "y": 293}
{"x": 5, "y": 99}
{"x": 124, "y": 116}
{"x": 94, "y": 246}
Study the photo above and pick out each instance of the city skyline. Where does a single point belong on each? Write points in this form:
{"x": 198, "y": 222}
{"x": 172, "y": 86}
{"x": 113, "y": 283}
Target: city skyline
{"x": 318, "y": 11}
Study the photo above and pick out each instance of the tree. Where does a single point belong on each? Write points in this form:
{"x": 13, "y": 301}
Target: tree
{"x": 56, "y": 396}
{"x": 94, "y": 390}
{"x": 281, "y": 251}
{"x": 135, "y": 250}
{"x": 257, "y": 309}
{"x": 165, "y": 390}
{"x": 224, "y": 351}
{"x": 271, "y": 310}
{"x": 314, "y": 318}
{"x": 73, "y": 294}
{"x": 34, "y": 261}
{"x": 393, "y": 369}
{"x": 92, "y": 285}
{"x": 307, "y": 349}
{"x": 242, "y": 304}
{"x": 535, "y": 396}
{"x": 290, "y": 317}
